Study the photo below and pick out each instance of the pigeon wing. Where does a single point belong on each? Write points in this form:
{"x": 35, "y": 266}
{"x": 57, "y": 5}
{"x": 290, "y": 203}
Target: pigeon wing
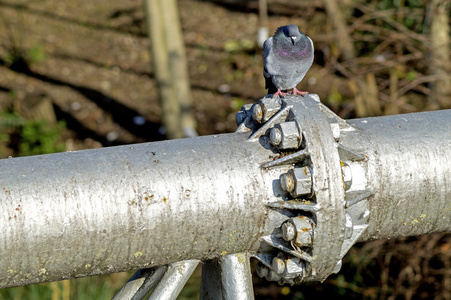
{"x": 269, "y": 85}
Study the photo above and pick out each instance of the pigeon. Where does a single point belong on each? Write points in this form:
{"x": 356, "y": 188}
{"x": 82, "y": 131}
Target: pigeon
{"x": 287, "y": 55}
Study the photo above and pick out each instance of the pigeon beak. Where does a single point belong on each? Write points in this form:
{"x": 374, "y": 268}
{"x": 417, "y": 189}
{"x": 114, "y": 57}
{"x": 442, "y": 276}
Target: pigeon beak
{"x": 293, "y": 39}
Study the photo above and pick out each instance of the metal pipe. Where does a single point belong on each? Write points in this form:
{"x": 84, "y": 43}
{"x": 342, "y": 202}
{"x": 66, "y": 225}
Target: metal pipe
{"x": 174, "y": 280}
{"x": 236, "y": 277}
{"x": 409, "y": 171}
{"x": 140, "y": 284}
{"x": 295, "y": 187}
{"x": 108, "y": 210}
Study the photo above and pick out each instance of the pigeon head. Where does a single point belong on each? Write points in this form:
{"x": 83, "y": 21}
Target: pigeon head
{"x": 289, "y": 32}
{"x": 289, "y": 37}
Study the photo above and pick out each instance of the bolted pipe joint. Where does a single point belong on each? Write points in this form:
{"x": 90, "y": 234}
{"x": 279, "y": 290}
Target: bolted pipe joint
{"x": 298, "y": 230}
{"x": 265, "y": 109}
{"x": 297, "y": 182}
{"x": 286, "y": 135}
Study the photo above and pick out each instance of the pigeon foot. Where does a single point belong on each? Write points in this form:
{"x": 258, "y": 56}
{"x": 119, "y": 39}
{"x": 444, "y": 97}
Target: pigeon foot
{"x": 297, "y": 92}
{"x": 279, "y": 93}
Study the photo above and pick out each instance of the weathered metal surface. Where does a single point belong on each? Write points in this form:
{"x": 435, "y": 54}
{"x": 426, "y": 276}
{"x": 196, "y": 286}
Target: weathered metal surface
{"x": 236, "y": 277}
{"x": 174, "y": 280}
{"x": 218, "y": 197}
{"x": 108, "y": 210}
{"x": 408, "y": 169}
{"x": 371, "y": 178}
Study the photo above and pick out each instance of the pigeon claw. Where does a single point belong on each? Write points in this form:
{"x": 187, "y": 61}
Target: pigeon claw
{"x": 297, "y": 92}
{"x": 279, "y": 93}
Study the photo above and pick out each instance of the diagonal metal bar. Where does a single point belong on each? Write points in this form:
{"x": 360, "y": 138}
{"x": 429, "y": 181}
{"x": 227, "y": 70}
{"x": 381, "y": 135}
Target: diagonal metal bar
{"x": 174, "y": 280}
{"x": 140, "y": 284}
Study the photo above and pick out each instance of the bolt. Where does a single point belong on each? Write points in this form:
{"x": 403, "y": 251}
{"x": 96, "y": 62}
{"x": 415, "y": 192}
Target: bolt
{"x": 257, "y": 112}
{"x": 287, "y": 182}
{"x": 275, "y": 136}
{"x": 288, "y": 231}
{"x": 347, "y": 176}
{"x": 278, "y": 265}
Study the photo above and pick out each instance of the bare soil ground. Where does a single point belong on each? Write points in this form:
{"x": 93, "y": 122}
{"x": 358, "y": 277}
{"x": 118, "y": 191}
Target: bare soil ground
{"x": 97, "y": 68}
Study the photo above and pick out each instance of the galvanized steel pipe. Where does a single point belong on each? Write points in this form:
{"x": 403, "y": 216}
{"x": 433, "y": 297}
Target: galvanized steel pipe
{"x": 409, "y": 171}
{"x": 107, "y": 210}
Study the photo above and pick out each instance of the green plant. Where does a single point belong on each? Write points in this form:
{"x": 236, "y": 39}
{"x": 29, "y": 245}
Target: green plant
{"x": 30, "y": 137}
{"x": 20, "y": 57}
{"x": 39, "y": 137}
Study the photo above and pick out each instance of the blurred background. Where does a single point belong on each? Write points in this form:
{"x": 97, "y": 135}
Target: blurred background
{"x": 82, "y": 74}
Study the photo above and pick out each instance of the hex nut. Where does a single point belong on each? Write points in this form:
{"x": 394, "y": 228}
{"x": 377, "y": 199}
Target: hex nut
{"x": 302, "y": 178}
{"x": 270, "y": 106}
{"x": 287, "y": 182}
{"x": 294, "y": 268}
{"x": 304, "y": 230}
{"x": 291, "y": 137}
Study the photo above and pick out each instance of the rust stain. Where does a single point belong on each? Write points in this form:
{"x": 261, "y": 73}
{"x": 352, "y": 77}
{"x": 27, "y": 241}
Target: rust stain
{"x": 164, "y": 199}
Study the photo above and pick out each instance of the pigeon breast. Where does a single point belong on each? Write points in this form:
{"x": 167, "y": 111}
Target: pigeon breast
{"x": 288, "y": 55}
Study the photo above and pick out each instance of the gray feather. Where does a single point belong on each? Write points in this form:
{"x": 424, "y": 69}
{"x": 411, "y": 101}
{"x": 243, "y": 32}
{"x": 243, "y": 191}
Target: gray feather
{"x": 288, "y": 55}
